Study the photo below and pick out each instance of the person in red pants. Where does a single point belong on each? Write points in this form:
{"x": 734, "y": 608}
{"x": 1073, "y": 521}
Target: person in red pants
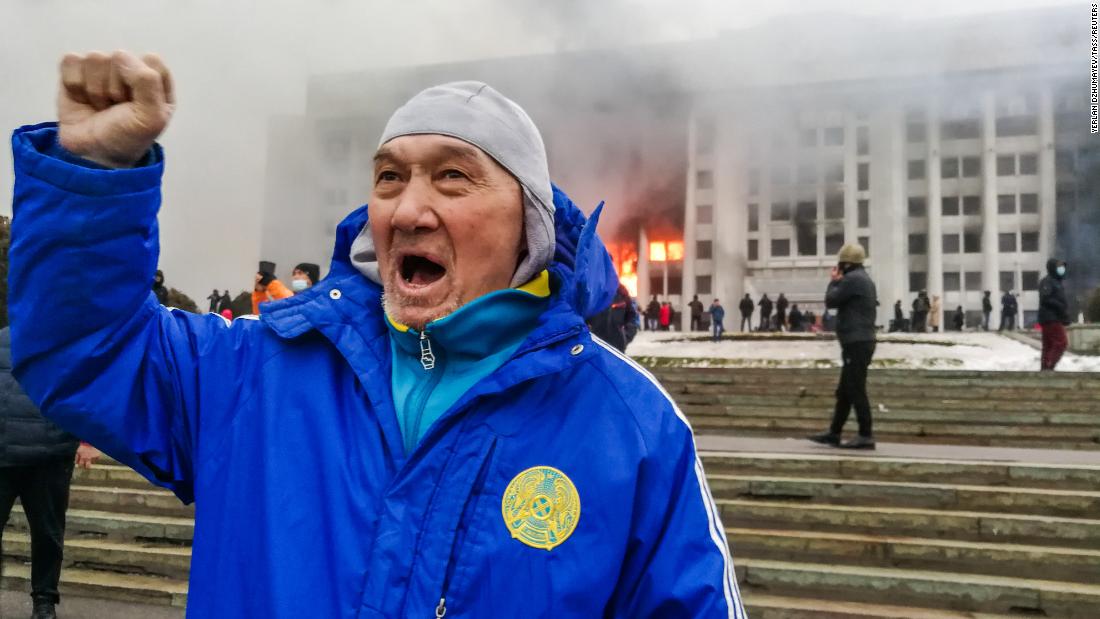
{"x": 1053, "y": 314}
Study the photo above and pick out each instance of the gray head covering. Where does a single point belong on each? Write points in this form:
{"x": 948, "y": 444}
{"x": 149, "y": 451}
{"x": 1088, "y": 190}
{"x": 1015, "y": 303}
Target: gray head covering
{"x": 473, "y": 112}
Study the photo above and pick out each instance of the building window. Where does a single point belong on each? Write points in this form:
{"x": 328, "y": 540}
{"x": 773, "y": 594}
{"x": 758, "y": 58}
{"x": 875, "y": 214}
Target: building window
{"x": 1006, "y": 204}
{"x": 865, "y": 241}
{"x": 1010, "y": 126}
{"x": 808, "y": 137}
{"x": 807, "y": 173}
{"x": 1029, "y": 241}
{"x": 834, "y": 136}
{"x": 918, "y": 206}
{"x": 781, "y": 248}
{"x": 972, "y": 205}
{"x": 1008, "y": 281}
{"x": 702, "y": 284}
{"x": 704, "y": 214}
{"x": 918, "y": 280}
{"x": 834, "y": 173}
{"x": 805, "y": 212}
{"x": 1029, "y": 164}
{"x": 703, "y": 250}
{"x": 781, "y": 211}
{"x": 951, "y": 282}
{"x": 1006, "y": 242}
{"x": 754, "y": 250}
{"x": 972, "y": 280}
{"x": 863, "y": 176}
{"x": 805, "y": 222}
{"x": 1006, "y": 165}
{"x": 950, "y": 206}
{"x": 833, "y": 242}
{"x": 972, "y": 242}
{"x": 1029, "y": 203}
{"x": 971, "y": 167}
{"x": 914, "y": 132}
{"x": 704, "y": 179}
{"x": 1030, "y": 280}
{"x": 863, "y": 141}
{"x": 834, "y": 205}
{"x": 949, "y": 167}
{"x": 754, "y": 217}
{"x": 968, "y": 129}
{"x": 950, "y": 243}
{"x": 916, "y": 169}
{"x": 864, "y": 208}
{"x": 918, "y": 244}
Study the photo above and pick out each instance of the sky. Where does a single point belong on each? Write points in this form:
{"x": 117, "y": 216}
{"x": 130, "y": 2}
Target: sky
{"x": 238, "y": 63}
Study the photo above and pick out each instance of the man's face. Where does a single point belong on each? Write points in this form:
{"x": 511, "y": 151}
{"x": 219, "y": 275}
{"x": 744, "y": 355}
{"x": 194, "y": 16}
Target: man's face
{"x": 447, "y": 222}
{"x": 298, "y": 274}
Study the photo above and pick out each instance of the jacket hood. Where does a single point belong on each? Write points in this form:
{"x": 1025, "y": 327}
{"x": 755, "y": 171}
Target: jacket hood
{"x": 582, "y": 272}
{"x": 1052, "y": 267}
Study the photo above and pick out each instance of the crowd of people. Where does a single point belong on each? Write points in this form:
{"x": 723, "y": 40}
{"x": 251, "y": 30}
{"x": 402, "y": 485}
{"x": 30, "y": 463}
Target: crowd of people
{"x": 925, "y": 314}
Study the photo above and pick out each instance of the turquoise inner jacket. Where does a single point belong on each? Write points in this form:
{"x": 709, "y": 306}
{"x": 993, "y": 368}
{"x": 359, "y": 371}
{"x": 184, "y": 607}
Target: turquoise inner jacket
{"x": 433, "y": 368}
{"x": 565, "y": 483}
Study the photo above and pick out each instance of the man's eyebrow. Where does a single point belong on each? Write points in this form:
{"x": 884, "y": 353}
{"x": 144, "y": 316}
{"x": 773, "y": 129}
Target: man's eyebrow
{"x": 443, "y": 152}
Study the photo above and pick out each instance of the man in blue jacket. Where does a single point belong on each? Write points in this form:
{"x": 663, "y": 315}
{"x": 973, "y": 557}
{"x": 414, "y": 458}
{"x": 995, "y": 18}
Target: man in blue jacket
{"x": 464, "y": 447}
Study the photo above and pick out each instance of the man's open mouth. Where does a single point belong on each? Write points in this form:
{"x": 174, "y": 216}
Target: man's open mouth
{"x": 420, "y": 270}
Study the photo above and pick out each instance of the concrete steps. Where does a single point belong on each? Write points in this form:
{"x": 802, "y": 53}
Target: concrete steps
{"x": 106, "y": 555}
{"x": 844, "y": 535}
{"x": 102, "y": 584}
{"x": 1015, "y": 409}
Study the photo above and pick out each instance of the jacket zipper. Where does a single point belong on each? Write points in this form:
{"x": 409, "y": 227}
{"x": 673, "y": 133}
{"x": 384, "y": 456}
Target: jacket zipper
{"x": 479, "y": 481}
{"x": 429, "y": 361}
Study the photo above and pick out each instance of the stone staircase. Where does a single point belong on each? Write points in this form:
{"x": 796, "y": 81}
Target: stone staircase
{"x": 125, "y": 540}
{"x": 1015, "y": 409}
{"x": 840, "y": 535}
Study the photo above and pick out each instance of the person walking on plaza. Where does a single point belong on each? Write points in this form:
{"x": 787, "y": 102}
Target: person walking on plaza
{"x": 898, "y": 323}
{"x": 765, "y": 313}
{"x": 717, "y": 314}
{"x": 935, "y": 312}
{"x": 1053, "y": 314}
{"x": 696, "y": 307}
{"x": 652, "y": 314}
{"x": 36, "y": 467}
{"x": 794, "y": 320}
{"x": 921, "y": 307}
{"x": 852, "y": 294}
{"x": 431, "y": 430}
{"x": 746, "y": 307}
{"x": 987, "y": 309}
{"x": 1009, "y": 308}
{"x": 959, "y": 320}
{"x": 781, "y": 305}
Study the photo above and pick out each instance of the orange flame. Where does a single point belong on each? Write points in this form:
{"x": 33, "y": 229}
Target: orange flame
{"x": 625, "y": 258}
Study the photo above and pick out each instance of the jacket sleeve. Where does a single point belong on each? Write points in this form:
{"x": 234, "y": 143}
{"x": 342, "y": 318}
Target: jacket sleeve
{"x": 839, "y": 292}
{"x": 678, "y": 563}
{"x": 90, "y": 344}
{"x": 278, "y": 291}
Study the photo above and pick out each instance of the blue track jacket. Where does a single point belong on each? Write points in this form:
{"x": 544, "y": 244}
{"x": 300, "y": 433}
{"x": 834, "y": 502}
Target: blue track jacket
{"x": 564, "y": 484}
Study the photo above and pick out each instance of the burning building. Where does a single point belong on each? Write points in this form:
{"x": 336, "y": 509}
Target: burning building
{"x": 956, "y": 150}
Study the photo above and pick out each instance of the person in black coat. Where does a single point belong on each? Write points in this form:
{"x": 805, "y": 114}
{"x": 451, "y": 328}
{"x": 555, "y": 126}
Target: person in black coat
{"x": 959, "y": 319}
{"x": 1009, "y": 308}
{"x": 765, "y": 312}
{"x": 36, "y": 466}
{"x": 852, "y": 294}
{"x": 746, "y": 307}
{"x": 987, "y": 309}
{"x": 610, "y": 325}
{"x": 794, "y": 321}
{"x": 652, "y": 314}
{"x": 215, "y": 299}
{"x": 1053, "y": 314}
{"x": 781, "y": 305}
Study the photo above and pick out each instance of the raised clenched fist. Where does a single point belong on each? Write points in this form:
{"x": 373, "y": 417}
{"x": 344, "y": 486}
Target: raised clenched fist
{"x": 111, "y": 108}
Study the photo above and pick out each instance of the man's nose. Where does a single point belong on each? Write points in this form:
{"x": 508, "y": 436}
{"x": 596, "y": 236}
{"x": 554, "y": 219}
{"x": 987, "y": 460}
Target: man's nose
{"x": 415, "y": 210}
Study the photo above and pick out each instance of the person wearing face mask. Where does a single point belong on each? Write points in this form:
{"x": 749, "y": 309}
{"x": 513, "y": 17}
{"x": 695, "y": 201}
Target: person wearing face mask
{"x": 852, "y": 294}
{"x": 304, "y": 276}
{"x": 1053, "y": 314}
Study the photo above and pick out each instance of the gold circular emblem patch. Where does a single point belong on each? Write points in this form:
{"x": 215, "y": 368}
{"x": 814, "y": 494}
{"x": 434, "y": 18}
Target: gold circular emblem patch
{"x": 541, "y": 507}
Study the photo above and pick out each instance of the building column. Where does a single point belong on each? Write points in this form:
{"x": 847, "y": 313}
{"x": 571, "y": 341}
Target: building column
{"x": 1047, "y": 176}
{"x": 731, "y": 221}
{"x": 935, "y": 206}
{"x": 990, "y": 262}
{"x": 643, "y": 266}
{"x": 889, "y": 212}
{"x": 687, "y": 285}
{"x": 851, "y": 180}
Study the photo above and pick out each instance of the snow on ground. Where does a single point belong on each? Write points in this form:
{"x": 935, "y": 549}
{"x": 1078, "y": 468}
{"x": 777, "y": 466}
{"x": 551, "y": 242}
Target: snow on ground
{"x": 959, "y": 351}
